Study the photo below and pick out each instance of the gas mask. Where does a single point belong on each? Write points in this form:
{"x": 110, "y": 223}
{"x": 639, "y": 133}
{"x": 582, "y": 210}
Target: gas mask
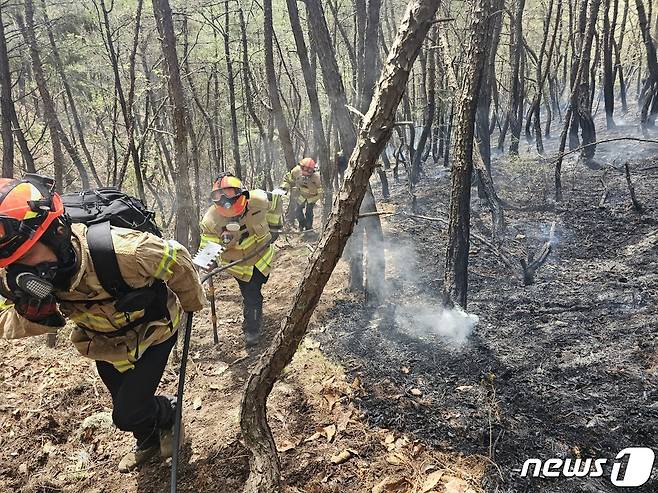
{"x": 41, "y": 280}
{"x": 33, "y": 281}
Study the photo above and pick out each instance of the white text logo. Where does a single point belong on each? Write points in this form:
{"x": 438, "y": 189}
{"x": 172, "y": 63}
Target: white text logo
{"x": 639, "y": 464}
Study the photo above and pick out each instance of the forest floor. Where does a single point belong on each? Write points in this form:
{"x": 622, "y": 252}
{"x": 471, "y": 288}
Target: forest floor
{"x": 399, "y": 393}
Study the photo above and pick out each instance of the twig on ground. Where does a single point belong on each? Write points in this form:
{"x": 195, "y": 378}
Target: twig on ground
{"x": 636, "y": 205}
{"x": 604, "y": 195}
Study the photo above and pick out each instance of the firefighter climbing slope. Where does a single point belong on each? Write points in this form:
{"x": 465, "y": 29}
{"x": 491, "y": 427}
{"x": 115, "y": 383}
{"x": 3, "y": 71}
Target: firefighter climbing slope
{"x": 125, "y": 290}
{"x": 240, "y": 221}
{"x": 303, "y": 183}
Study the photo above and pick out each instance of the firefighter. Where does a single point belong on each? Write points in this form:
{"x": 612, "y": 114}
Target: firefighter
{"x": 240, "y": 221}
{"x": 303, "y": 183}
{"x": 47, "y": 276}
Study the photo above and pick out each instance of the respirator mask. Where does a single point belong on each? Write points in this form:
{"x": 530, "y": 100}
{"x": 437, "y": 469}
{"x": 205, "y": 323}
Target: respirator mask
{"x": 33, "y": 281}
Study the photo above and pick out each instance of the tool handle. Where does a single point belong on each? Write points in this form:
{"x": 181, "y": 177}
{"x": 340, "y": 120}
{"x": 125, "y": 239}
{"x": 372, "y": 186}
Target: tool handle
{"x": 179, "y": 401}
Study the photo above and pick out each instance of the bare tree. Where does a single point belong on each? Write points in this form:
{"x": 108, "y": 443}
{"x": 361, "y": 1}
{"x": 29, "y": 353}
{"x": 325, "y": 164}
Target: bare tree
{"x": 187, "y": 224}
{"x": 456, "y": 262}
{"x": 275, "y": 100}
{"x": 57, "y": 135}
{"x": 376, "y": 130}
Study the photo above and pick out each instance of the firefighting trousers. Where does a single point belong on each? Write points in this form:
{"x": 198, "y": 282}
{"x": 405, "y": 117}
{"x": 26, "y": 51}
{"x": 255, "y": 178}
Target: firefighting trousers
{"x": 304, "y": 215}
{"x": 252, "y": 295}
{"x": 136, "y": 408}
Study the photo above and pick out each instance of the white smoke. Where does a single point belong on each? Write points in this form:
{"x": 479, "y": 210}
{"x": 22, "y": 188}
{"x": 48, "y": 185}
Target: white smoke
{"x": 417, "y": 313}
{"x": 424, "y": 320}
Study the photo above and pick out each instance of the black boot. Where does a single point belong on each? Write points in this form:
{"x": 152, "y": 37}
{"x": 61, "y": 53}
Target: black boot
{"x": 252, "y": 325}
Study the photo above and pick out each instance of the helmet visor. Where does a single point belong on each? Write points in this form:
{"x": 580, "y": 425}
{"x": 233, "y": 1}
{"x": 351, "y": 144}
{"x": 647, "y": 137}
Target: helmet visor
{"x": 12, "y": 236}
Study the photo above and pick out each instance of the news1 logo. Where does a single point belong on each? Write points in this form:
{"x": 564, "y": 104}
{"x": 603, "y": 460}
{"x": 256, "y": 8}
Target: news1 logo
{"x": 639, "y": 465}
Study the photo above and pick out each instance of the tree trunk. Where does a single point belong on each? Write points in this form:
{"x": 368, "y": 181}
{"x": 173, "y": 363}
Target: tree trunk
{"x": 55, "y": 129}
{"x": 275, "y": 101}
{"x": 46, "y": 99}
{"x": 6, "y": 105}
{"x": 651, "y": 92}
{"x": 429, "y": 110}
{"x": 314, "y": 102}
{"x": 246, "y": 85}
{"x": 377, "y": 127}
{"x": 230, "y": 81}
{"x": 608, "y": 72}
{"x": 187, "y": 224}
{"x": 335, "y": 90}
{"x": 370, "y": 54}
{"x": 516, "y": 52}
{"x": 583, "y": 101}
{"x": 486, "y": 188}
{"x": 581, "y": 68}
{"x": 59, "y": 66}
{"x": 456, "y": 262}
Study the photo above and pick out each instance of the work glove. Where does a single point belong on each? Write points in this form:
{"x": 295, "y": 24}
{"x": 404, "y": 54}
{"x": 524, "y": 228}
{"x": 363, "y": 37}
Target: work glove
{"x": 42, "y": 311}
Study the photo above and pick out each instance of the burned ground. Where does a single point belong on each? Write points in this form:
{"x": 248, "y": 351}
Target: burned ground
{"x": 565, "y": 367}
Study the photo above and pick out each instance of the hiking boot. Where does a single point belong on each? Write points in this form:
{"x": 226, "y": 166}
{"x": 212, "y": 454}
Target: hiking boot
{"x": 167, "y": 440}
{"x": 138, "y": 456}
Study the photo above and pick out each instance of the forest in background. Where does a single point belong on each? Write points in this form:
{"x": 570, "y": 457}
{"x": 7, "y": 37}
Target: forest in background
{"x": 86, "y": 98}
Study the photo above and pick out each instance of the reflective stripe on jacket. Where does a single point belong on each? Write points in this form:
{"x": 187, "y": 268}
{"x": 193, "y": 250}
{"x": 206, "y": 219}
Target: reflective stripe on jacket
{"x": 254, "y": 235}
{"x": 304, "y": 188}
{"x": 142, "y": 258}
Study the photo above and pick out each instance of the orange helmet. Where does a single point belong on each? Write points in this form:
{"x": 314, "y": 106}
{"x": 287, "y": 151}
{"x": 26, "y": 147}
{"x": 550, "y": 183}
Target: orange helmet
{"x": 308, "y": 166}
{"x": 229, "y": 195}
{"x": 28, "y": 207}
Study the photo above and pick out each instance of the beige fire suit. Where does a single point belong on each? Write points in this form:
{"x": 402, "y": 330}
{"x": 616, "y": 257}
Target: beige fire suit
{"x": 303, "y": 188}
{"x": 253, "y": 237}
{"x": 142, "y": 258}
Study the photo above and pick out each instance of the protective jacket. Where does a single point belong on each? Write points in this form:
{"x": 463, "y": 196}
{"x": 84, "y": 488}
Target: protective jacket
{"x": 251, "y": 242}
{"x": 143, "y": 258}
{"x": 303, "y": 188}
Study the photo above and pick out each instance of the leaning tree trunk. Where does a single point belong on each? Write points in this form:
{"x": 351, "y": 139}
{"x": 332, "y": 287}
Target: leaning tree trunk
{"x": 187, "y": 224}
{"x": 456, "y": 264}
{"x": 377, "y": 127}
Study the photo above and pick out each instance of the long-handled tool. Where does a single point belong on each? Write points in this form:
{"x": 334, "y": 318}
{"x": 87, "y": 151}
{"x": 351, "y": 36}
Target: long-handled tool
{"x": 213, "y": 311}
{"x": 186, "y": 349}
{"x": 179, "y": 400}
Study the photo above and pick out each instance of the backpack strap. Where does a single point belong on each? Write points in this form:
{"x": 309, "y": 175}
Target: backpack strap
{"x": 104, "y": 258}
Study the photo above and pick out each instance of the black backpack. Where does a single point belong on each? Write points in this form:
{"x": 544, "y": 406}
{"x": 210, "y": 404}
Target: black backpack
{"x": 99, "y": 209}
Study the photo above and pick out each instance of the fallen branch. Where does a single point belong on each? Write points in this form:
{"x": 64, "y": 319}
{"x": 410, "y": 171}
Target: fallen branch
{"x": 616, "y": 139}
